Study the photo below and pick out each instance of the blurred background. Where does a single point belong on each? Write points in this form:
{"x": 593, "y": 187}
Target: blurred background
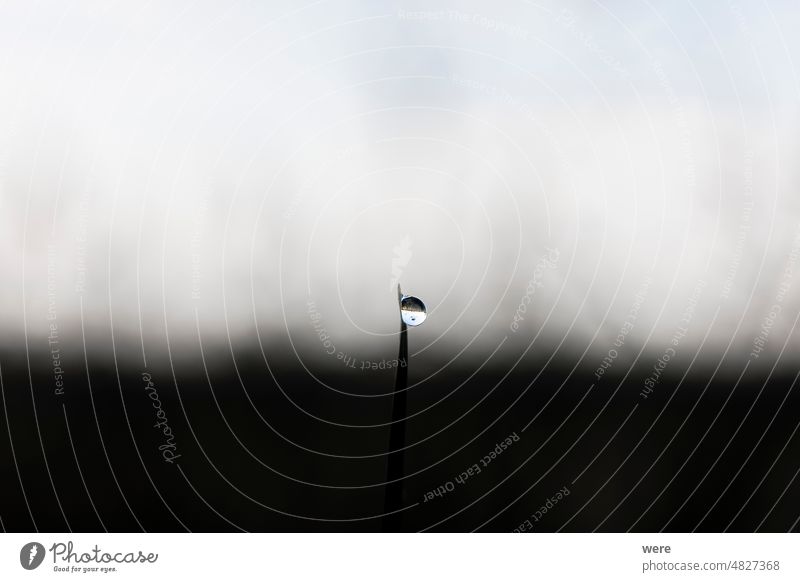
{"x": 205, "y": 210}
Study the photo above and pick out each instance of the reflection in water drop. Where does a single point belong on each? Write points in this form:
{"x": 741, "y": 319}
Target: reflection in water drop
{"x": 412, "y": 310}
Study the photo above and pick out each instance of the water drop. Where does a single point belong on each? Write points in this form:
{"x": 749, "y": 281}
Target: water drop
{"x": 412, "y": 310}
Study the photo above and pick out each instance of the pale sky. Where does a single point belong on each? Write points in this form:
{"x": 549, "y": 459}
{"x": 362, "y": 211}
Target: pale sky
{"x": 219, "y": 164}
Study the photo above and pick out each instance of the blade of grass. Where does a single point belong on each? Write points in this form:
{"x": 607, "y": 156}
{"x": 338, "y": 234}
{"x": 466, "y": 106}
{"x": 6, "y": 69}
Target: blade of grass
{"x": 392, "y": 521}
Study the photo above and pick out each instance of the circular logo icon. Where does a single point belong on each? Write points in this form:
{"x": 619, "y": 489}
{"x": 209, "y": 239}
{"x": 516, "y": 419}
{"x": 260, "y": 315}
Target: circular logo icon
{"x": 31, "y": 555}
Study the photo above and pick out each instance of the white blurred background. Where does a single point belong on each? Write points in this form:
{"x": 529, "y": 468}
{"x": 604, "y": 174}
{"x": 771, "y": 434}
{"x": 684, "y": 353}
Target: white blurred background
{"x": 185, "y": 169}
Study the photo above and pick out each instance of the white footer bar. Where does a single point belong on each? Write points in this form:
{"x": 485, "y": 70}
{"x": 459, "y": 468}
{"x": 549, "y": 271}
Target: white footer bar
{"x": 400, "y": 557}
